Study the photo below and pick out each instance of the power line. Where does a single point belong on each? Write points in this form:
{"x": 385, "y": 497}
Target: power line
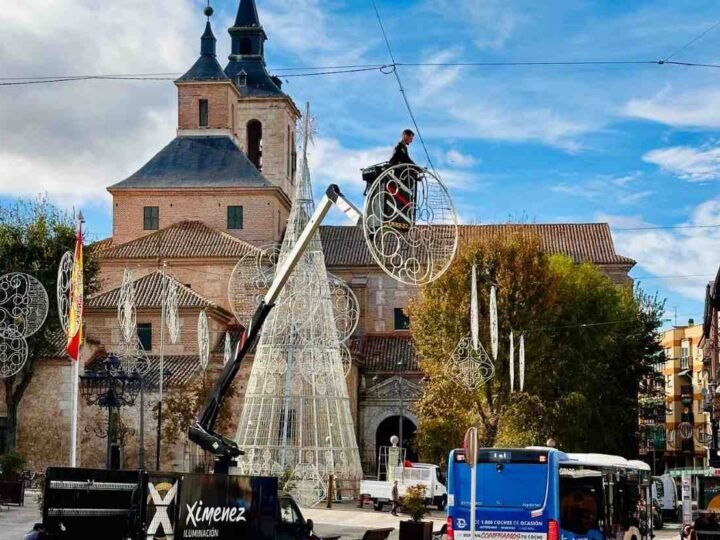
{"x": 400, "y": 84}
{"x": 699, "y": 36}
{"x": 668, "y": 227}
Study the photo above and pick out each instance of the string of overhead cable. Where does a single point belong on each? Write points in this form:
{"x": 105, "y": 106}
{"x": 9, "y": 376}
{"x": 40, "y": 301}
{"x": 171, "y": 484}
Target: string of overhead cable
{"x": 693, "y": 40}
{"x": 309, "y": 71}
{"x": 400, "y": 85}
{"x": 666, "y": 227}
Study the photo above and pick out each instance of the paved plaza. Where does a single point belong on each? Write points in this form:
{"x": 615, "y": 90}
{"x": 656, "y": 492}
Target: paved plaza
{"x": 345, "y": 519}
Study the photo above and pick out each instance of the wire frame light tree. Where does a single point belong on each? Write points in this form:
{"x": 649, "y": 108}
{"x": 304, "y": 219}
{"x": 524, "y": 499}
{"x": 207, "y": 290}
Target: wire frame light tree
{"x": 296, "y": 418}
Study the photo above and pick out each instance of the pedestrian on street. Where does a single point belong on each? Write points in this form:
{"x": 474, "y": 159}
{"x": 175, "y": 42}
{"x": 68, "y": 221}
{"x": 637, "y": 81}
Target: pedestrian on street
{"x": 395, "y": 495}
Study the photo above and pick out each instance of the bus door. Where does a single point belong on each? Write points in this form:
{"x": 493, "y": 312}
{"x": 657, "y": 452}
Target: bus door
{"x": 582, "y": 504}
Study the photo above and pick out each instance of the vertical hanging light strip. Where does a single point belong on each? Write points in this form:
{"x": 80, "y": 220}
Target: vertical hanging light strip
{"x": 493, "y": 323}
{"x": 522, "y": 363}
{"x": 474, "y": 310}
{"x": 512, "y": 362}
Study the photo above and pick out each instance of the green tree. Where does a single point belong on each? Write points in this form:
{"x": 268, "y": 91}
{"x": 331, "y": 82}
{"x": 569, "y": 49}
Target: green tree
{"x": 34, "y": 234}
{"x": 588, "y": 344}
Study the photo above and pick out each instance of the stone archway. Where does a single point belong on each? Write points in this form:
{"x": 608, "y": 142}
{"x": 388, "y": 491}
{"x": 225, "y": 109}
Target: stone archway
{"x": 391, "y": 426}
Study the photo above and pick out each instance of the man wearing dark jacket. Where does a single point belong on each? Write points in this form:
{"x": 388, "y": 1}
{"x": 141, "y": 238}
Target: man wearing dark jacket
{"x": 400, "y": 154}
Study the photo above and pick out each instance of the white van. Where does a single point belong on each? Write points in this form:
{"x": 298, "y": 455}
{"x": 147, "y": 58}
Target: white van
{"x": 665, "y": 491}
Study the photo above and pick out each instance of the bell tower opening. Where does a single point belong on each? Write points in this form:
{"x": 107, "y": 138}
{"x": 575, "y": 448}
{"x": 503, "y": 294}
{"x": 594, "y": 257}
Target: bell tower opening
{"x": 254, "y": 143}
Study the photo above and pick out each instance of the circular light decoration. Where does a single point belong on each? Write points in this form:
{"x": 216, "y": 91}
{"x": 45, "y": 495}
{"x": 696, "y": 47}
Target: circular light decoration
{"x": 686, "y": 430}
{"x": 410, "y": 224}
{"x": 494, "y": 322}
{"x": 24, "y": 305}
{"x": 64, "y": 282}
{"x": 308, "y": 487}
{"x": 469, "y": 366}
{"x": 133, "y": 358}
{"x": 203, "y": 336}
{"x": 250, "y": 280}
{"x": 346, "y": 308}
{"x": 172, "y": 321}
{"x": 126, "y": 308}
{"x": 228, "y": 349}
{"x": 13, "y": 355}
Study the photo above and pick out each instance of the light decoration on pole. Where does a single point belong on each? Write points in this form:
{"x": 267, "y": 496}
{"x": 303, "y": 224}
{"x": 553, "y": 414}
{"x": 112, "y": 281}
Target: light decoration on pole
{"x": 24, "y": 307}
{"x": 172, "y": 320}
{"x": 685, "y": 429}
{"x": 127, "y": 320}
{"x": 410, "y": 224}
{"x": 228, "y": 349}
{"x": 346, "y": 307}
{"x": 469, "y": 364}
{"x": 474, "y": 310}
{"x": 64, "y": 284}
{"x": 203, "y": 336}
{"x": 296, "y": 418}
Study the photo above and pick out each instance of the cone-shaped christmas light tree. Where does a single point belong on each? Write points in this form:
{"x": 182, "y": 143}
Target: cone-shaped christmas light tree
{"x": 296, "y": 417}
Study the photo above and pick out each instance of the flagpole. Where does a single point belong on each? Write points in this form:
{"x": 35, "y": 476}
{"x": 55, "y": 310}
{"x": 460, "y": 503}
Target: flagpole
{"x": 76, "y": 377}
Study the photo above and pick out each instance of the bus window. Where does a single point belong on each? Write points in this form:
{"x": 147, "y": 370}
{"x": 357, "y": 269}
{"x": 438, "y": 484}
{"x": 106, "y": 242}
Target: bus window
{"x": 581, "y": 507}
{"x": 512, "y": 485}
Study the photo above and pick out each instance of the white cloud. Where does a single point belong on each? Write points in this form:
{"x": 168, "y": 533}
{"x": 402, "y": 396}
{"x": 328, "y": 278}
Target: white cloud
{"x": 494, "y": 21}
{"x": 72, "y": 140}
{"x": 674, "y": 252}
{"x": 687, "y": 162}
{"x": 605, "y": 187}
{"x": 695, "y": 107}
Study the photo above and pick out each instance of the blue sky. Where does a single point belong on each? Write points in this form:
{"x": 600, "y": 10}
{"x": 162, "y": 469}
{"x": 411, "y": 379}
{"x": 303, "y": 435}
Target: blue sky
{"x": 634, "y": 145}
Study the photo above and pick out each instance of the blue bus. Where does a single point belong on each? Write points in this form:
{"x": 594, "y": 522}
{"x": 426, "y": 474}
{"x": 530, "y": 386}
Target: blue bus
{"x": 545, "y": 494}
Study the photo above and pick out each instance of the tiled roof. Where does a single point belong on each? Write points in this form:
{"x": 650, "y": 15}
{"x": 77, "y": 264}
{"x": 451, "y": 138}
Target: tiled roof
{"x": 196, "y": 162}
{"x": 179, "y": 369}
{"x": 148, "y": 294}
{"x": 583, "y": 242}
{"x": 386, "y": 353}
{"x": 186, "y": 239}
{"x": 55, "y": 346}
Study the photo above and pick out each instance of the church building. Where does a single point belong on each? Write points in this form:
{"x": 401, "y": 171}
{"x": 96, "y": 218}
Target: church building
{"x": 219, "y": 190}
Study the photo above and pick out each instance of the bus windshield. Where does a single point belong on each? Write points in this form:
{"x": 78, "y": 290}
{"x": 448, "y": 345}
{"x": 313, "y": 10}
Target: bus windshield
{"x": 512, "y": 485}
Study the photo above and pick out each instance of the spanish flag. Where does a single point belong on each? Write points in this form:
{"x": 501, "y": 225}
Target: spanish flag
{"x": 75, "y": 316}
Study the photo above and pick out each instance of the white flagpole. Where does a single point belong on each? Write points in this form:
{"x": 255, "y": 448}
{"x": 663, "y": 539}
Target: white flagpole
{"x": 75, "y": 385}
{"x": 74, "y": 421}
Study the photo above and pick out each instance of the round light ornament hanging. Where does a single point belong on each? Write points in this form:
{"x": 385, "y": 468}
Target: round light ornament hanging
{"x": 410, "y": 224}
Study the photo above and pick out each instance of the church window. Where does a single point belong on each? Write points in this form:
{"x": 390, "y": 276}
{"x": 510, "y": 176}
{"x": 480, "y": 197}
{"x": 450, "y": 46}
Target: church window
{"x": 204, "y": 110}
{"x": 144, "y": 333}
{"x": 234, "y": 217}
{"x": 245, "y": 46}
{"x": 151, "y": 218}
{"x": 402, "y": 321}
{"x": 254, "y": 143}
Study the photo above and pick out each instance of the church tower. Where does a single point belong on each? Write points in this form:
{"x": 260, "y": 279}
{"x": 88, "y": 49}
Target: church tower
{"x": 266, "y": 117}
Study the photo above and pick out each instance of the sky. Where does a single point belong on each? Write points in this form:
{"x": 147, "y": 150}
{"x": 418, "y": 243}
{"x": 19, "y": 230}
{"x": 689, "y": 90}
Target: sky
{"x": 637, "y": 146}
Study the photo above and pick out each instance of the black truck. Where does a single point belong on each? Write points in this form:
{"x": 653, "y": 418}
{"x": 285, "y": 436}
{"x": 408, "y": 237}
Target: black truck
{"x": 82, "y": 504}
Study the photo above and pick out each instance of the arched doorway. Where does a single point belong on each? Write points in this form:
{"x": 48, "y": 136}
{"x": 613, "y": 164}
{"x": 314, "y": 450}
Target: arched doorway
{"x": 389, "y": 427}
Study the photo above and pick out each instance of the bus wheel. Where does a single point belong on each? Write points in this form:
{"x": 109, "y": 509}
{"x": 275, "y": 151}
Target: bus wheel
{"x": 378, "y": 506}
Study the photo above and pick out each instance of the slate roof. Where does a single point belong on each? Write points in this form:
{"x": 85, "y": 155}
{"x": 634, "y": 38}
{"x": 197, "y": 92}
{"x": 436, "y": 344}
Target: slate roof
{"x": 247, "y": 14}
{"x": 148, "y": 294}
{"x": 583, "y": 242}
{"x": 259, "y": 83}
{"x": 207, "y": 68}
{"x": 182, "y": 240}
{"x": 196, "y": 162}
{"x": 179, "y": 369}
{"x": 385, "y": 353}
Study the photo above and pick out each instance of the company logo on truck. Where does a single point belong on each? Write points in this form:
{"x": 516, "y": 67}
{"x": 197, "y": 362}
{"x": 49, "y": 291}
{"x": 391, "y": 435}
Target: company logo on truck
{"x": 200, "y": 515}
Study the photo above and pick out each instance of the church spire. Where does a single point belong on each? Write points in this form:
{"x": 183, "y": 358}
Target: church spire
{"x": 247, "y": 14}
{"x": 207, "y": 66}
